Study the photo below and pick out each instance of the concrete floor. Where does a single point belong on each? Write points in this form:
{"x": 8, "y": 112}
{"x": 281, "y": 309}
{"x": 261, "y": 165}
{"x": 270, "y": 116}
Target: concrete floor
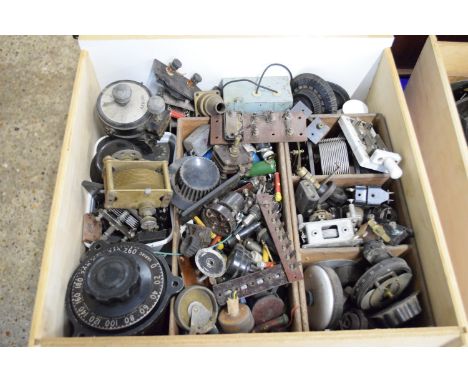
{"x": 36, "y": 80}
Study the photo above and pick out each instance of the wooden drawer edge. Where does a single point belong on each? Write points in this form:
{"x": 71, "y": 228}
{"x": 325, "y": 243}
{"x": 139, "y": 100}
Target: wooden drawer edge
{"x": 442, "y": 336}
{"x": 56, "y": 201}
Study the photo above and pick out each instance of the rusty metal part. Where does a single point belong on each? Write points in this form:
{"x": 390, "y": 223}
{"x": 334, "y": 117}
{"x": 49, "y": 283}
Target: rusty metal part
{"x": 232, "y": 159}
{"x": 270, "y": 127}
{"x": 274, "y": 324}
{"x": 236, "y": 317}
{"x": 283, "y": 244}
{"x": 92, "y": 228}
{"x": 267, "y": 308}
{"x": 251, "y": 284}
{"x": 178, "y": 85}
{"x": 136, "y": 184}
{"x": 209, "y": 103}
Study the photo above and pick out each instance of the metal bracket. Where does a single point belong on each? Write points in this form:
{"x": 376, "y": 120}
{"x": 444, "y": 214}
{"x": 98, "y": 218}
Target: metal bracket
{"x": 283, "y": 245}
{"x": 316, "y": 130}
{"x": 250, "y": 284}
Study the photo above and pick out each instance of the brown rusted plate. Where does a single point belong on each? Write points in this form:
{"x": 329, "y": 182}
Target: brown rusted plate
{"x": 92, "y": 228}
{"x": 273, "y": 132}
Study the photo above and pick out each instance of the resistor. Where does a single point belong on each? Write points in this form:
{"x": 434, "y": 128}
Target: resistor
{"x": 278, "y": 196}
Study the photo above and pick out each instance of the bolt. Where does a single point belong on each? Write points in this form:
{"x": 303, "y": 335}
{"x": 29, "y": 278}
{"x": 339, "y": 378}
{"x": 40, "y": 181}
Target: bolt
{"x": 196, "y": 78}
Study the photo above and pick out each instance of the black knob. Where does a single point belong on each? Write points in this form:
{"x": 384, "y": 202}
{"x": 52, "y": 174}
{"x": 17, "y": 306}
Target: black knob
{"x": 196, "y": 78}
{"x": 176, "y": 64}
{"x": 112, "y": 278}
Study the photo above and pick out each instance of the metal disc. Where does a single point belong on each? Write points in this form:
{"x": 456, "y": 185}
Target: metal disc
{"x": 124, "y": 115}
{"x": 325, "y": 297}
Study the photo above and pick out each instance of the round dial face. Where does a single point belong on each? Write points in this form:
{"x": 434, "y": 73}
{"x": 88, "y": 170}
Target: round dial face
{"x": 124, "y": 314}
{"x": 134, "y": 109}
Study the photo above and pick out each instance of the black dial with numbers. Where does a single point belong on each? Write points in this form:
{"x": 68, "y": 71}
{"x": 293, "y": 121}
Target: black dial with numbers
{"x": 119, "y": 289}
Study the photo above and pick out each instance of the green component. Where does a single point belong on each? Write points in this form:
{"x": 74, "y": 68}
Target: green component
{"x": 262, "y": 168}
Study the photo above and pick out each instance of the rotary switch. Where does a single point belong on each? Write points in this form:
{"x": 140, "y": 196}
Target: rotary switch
{"x": 119, "y": 289}
{"x": 191, "y": 179}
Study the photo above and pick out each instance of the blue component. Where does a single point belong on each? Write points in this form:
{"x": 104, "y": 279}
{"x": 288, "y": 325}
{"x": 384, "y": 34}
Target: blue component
{"x": 254, "y": 156}
{"x": 240, "y": 96}
{"x": 208, "y": 154}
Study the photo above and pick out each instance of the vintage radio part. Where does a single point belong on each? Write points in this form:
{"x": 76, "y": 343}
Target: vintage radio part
{"x": 221, "y": 216}
{"x": 250, "y": 284}
{"x": 236, "y": 317}
{"x": 330, "y": 233}
{"x": 196, "y": 310}
{"x": 119, "y": 289}
{"x": 315, "y": 92}
{"x": 348, "y": 271}
{"x": 368, "y": 147}
{"x": 355, "y": 106}
{"x": 191, "y": 179}
{"x": 210, "y": 262}
{"x": 324, "y": 296}
{"x": 354, "y": 319}
{"x": 209, "y": 103}
{"x": 122, "y": 106}
{"x": 370, "y": 195}
{"x": 334, "y": 156}
{"x": 341, "y": 95}
{"x": 136, "y": 184}
{"x": 382, "y": 284}
{"x": 375, "y": 251}
{"x": 399, "y": 313}
{"x": 239, "y": 262}
{"x": 264, "y": 127}
{"x": 196, "y": 238}
{"x": 224, "y": 187}
{"x": 197, "y": 142}
{"x": 119, "y": 220}
{"x": 267, "y": 308}
{"x": 175, "y": 83}
{"x": 283, "y": 245}
{"x": 240, "y": 95}
{"x": 232, "y": 159}
{"x": 317, "y": 130}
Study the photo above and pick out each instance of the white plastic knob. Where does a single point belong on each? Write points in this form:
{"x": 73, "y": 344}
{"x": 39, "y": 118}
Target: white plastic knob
{"x": 393, "y": 169}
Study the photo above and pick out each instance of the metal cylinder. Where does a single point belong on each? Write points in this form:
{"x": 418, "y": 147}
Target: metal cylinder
{"x": 252, "y": 245}
{"x": 247, "y": 231}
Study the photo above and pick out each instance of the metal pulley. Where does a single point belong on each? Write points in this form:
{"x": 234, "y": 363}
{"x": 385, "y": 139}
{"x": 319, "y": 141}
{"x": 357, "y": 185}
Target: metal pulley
{"x": 324, "y": 295}
{"x": 119, "y": 289}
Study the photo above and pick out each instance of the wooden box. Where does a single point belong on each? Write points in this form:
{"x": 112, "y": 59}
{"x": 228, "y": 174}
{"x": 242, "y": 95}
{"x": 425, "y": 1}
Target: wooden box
{"x": 442, "y": 142}
{"x": 369, "y": 65}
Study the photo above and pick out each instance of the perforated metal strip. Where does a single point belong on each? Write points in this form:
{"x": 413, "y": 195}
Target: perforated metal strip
{"x": 283, "y": 245}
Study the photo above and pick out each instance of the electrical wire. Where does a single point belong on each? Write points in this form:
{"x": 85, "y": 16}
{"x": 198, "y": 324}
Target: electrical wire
{"x": 269, "y": 66}
{"x": 252, "y": 82}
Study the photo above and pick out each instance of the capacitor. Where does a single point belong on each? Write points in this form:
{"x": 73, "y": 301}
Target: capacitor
{"x": 262, "y": 168}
